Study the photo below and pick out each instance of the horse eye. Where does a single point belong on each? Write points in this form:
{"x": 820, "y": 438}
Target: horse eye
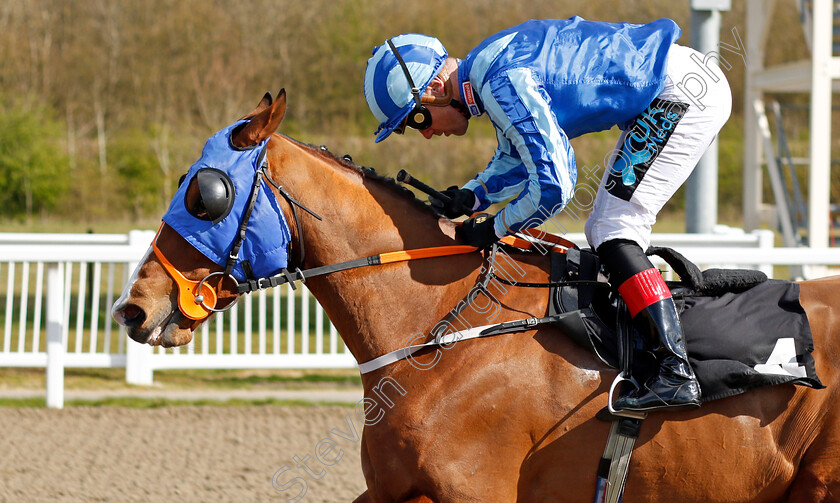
{"x": 194, "y": 202}
{"x": 200, "y": 211}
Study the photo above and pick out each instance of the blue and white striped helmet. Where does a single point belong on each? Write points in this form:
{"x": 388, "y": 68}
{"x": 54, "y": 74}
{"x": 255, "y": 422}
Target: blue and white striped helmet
{"x": 387, "y": 91}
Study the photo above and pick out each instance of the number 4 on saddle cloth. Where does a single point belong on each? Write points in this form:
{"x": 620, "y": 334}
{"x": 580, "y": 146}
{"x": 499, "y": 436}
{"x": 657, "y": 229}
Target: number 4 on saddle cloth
{"x": 742, "y": 330}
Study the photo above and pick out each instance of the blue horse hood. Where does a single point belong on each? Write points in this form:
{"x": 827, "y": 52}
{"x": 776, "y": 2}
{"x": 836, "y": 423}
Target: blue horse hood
{"x": 266, "y": 244}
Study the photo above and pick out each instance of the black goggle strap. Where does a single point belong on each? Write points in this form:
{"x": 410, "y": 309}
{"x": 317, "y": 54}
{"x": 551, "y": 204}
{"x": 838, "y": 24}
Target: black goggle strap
{"x": 414, "y": 91}
{"x": 461, "y": 108}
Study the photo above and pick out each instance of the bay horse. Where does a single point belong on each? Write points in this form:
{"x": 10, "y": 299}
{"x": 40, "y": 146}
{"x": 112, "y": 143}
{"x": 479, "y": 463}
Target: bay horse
{"x": 512, "y": 417}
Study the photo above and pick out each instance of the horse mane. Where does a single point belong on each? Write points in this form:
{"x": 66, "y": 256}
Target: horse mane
{"x": 371, "y": 174}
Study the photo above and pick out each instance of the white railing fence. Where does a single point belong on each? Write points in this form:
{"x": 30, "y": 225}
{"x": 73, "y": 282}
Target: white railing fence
{"x": 59, "y": 289}
{"x": 58, "y": 294}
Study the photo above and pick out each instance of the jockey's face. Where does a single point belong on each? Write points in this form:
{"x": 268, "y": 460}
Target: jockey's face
{"x": 445, "y": 121}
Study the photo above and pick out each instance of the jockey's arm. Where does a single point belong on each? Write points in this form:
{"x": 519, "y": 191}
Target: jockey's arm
{"x": 534, "y": 160}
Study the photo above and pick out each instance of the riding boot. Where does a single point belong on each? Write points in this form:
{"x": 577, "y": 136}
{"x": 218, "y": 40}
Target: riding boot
{"x": 655, "y": 316}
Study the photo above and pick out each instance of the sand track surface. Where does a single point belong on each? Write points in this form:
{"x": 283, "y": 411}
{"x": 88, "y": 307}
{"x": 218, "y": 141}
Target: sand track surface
{"x": 184, "y": 453}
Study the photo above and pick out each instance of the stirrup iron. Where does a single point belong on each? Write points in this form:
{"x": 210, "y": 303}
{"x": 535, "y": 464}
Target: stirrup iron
{"x": 622, "y": 377}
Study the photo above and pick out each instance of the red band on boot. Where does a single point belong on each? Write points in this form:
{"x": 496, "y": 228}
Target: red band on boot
{"x": 644, "y": 289}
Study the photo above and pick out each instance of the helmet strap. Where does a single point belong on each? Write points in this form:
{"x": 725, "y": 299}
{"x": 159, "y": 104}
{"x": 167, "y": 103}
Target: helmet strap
{"x": 461, "y": 108}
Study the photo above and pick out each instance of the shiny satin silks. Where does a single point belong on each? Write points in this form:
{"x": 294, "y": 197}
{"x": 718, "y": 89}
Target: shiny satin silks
{"x": 545, "y": 81}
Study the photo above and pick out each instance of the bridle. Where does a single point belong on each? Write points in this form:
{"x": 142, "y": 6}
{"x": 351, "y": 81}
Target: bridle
{"x": 197, "y": 300}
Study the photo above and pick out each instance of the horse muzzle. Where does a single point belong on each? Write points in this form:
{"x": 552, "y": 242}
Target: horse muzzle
{"x": 167, "y": 328}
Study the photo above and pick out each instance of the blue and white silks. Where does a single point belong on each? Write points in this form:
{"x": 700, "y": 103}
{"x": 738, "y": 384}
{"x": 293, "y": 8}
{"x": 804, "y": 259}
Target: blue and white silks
{"x": 267, "y": 237}
{"x": 544, "y": 82}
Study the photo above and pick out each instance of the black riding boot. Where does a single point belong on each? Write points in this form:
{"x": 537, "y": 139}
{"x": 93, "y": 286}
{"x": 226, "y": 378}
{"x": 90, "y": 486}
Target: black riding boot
{"x": 654, "y": 315}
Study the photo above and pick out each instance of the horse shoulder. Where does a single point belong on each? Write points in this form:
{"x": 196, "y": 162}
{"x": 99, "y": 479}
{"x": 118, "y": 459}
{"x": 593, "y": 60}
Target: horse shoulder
{"x": 489, "y": 407}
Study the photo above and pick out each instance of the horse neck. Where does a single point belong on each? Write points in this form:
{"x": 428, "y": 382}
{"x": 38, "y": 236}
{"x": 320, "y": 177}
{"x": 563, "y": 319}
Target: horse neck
{"x": 373, "y": 308}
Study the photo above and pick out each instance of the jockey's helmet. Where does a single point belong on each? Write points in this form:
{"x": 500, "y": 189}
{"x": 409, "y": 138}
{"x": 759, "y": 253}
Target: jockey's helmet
{"x": 387, "y": 89}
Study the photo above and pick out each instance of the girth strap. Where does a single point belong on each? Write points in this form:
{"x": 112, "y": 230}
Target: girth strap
{"x": 451, "y": 338}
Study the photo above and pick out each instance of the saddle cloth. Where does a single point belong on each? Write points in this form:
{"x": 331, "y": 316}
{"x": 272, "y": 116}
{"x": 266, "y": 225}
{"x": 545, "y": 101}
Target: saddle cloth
{"x": 742, "y": 331}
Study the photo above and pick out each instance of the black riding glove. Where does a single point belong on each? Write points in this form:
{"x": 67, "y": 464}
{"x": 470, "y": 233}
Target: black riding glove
{"x": 478, "y": 231}
{"x": 460, "y": 203}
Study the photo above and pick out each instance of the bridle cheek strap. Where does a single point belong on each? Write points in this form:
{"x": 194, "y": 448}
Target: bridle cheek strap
{"x": 189, "y": 299}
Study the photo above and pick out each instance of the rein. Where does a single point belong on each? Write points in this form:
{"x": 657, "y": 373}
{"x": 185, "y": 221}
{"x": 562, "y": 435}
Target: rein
{"x": 382, "y": 258}
{"x": 397, "y": 256}
{"x": 197, "y": 299}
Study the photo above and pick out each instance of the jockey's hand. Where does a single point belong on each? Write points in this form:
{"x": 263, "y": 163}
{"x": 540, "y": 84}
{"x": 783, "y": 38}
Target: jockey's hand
{"x": 478, "y": 231}
{"x": 461, "y": 202}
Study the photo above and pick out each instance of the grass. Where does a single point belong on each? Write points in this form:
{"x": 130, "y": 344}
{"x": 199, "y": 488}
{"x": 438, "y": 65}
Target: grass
{"x": 113, "y": 380}
{"x": 84, "y": 379}
{"x": 260, "y": 379}
{"x": 58, "y": 225}
{"x": 157, "y": 403}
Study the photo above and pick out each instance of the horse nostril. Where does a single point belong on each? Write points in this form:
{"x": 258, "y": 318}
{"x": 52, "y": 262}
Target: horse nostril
{"x": 132, "y": 316}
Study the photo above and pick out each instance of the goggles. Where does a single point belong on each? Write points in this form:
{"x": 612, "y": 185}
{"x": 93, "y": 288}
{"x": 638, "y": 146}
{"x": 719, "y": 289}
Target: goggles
{"x": 415, "y": 118}
{"x": 419, "y": 117}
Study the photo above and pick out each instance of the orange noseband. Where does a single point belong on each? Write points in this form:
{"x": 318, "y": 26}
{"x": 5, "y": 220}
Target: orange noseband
{"x": 192, "y": 305}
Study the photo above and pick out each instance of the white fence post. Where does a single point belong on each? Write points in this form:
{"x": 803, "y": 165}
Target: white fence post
{"x": 138, "y": 368}
{"x": 138, "y": 357}
{"x": 766, "y": 240}
{"x": 55, "y": 342}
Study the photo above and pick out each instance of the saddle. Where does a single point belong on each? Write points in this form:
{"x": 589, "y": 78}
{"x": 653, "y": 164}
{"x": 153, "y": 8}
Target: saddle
{"x": 742, "y": 330}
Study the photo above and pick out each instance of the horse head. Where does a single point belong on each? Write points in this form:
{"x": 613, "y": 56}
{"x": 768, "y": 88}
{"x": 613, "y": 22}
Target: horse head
{"x": 237, "y": 217}
{"x": 189, "y": 271}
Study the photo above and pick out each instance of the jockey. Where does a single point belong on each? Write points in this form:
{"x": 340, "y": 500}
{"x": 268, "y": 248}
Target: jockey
{"x": 546, "y": 81}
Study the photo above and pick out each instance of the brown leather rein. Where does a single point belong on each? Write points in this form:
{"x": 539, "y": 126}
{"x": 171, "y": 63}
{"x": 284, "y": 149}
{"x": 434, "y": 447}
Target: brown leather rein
{"x": 391, "y": 257}
{"x": 197, "y": 300}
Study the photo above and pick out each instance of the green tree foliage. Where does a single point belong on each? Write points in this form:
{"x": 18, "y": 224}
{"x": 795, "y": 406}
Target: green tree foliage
{"x": 139, "y": 174}
{"x": 35, "y": 171}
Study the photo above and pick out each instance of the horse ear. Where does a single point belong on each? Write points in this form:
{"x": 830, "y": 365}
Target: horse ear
{"x": 264, "y": 122}
{"x": 264, "y": 103}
